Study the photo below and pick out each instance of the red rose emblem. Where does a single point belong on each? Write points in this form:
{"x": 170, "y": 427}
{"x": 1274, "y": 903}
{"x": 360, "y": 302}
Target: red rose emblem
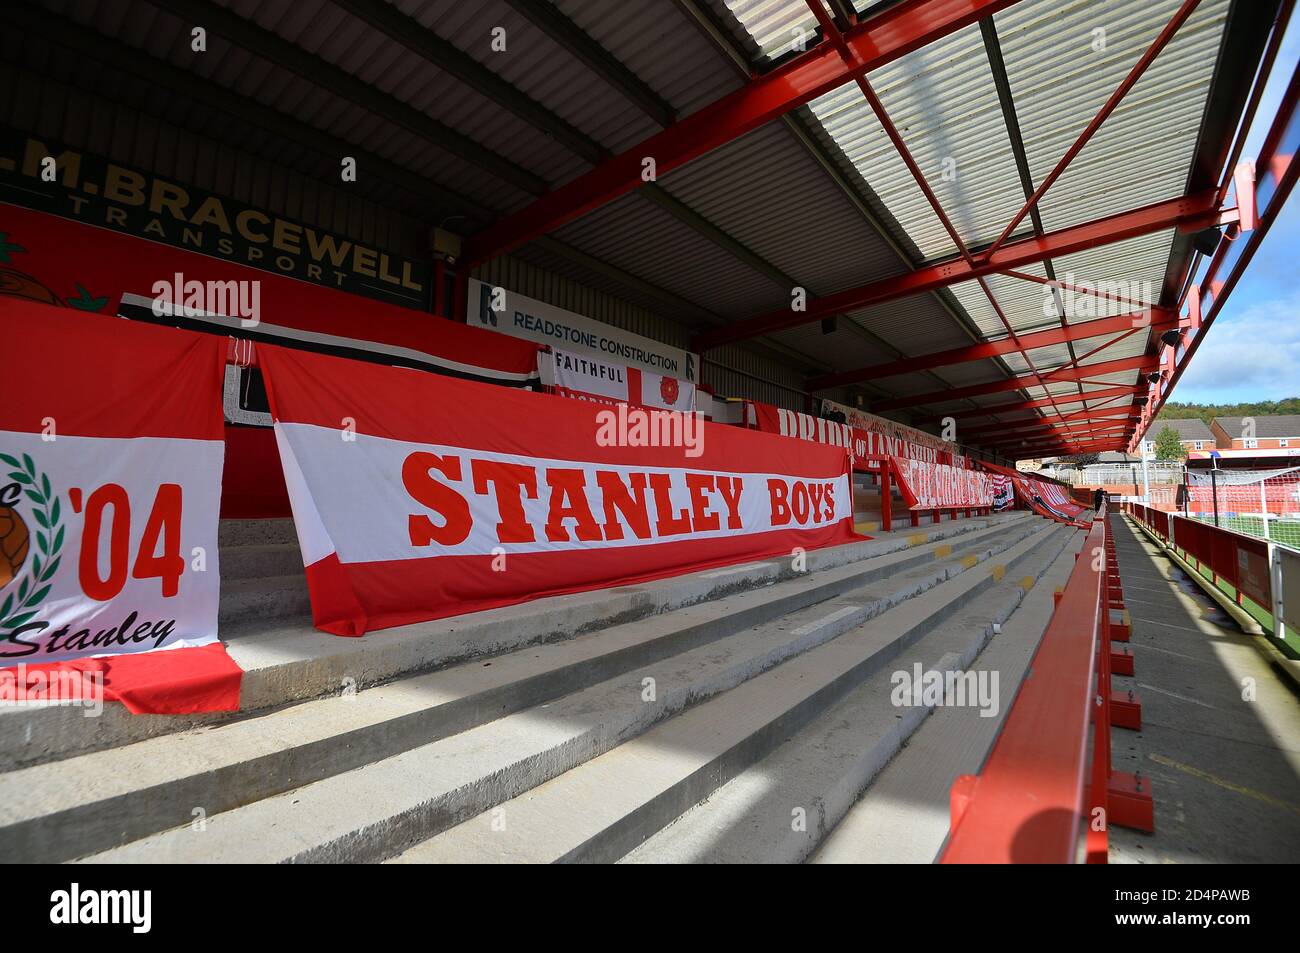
{"x": 668, "y": 389}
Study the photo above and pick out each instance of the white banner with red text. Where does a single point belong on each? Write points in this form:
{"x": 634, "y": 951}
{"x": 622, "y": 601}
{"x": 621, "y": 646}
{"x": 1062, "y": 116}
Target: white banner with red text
{"x": 588, "y": 378}
{"x": 417, "y": 497}
{"x": 860, "y": 443}
{"x": 111, "y": 455}
{"x": 929, "y": 486}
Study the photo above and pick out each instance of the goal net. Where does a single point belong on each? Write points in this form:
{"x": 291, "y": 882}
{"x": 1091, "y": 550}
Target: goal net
{"x": 1264, "y": 503}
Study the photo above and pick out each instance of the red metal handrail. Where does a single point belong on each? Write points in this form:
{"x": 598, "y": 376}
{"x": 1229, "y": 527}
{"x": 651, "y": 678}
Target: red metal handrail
{"x": 1028, "y": 802}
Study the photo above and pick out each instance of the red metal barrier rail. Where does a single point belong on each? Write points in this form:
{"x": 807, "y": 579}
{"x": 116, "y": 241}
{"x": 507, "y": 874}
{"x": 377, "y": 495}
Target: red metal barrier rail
{"x": 1038, "y": 790}
{"x": 1243, "y": 562}
{"x": 888, "y": 473}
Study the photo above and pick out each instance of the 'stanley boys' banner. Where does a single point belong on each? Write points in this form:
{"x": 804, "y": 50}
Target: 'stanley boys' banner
{"x": 927, "y": 486}
{"x": 586, "y": 378}
{"x": 500, "y": 309}
{"x": 110, "y": 482}
{"x": 449, "y": 497}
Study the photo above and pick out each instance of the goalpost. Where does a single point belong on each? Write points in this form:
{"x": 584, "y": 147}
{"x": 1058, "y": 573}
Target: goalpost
{"x": 1264, "y": 503}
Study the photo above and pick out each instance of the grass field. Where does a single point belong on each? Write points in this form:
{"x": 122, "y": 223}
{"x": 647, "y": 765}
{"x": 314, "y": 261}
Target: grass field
{"x": 1284, "y": 531}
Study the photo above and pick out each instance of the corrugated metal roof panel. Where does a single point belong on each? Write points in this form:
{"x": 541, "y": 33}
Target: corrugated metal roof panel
{"x": 917, "y": 324}
{"x": 637, "y": 34}
{"x": 646, "y": 241}
{"x": 768, "y": 193}
{"x": 1059, "y": 80}
{"x": 535, "y": 65}
{"x": 840, "y": 351}
{"x": 775, "y": 26}
{"x": 943, "y": 102}
{"x": 1028, "y": 306}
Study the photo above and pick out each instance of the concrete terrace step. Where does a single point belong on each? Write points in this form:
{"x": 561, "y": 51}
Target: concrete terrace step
{"x": 287, "y": 661}
{"x": 816, "y": 775}
{"x": 372, "y": 812}
{"x": 234, "y": 533}
{"x": 261, "y": 560}
{"x": 603, "y": 808}
{"x": 262, "y": 598}
{"x": 146, "y": 787}
{"x": 903, "y": 816}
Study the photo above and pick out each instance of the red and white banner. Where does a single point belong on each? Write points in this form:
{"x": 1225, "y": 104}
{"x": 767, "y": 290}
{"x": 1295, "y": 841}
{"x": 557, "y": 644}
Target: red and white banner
{"x": 892, "y": 438}
{"x": 929, "y": 486}
{"x": 860, "y": 443}
{"x": 418, "y": 497}
{"x": 1047, "y": 499}
{"x": 1004, "y": 494}
{"x": 110, "y": 482}
{"x": 586, "y": 378}
{"x": 792, "y": 423}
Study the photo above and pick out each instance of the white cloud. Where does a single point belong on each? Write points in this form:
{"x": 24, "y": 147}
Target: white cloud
{"x": 1254, "y": 355}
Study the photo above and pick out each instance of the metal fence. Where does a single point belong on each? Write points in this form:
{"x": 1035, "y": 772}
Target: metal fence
{"x": 1262, "y": 577}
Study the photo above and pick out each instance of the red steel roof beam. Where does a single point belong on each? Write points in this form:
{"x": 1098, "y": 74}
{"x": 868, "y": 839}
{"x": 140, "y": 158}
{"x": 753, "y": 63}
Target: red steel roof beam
{"x": 1116, "y": 431}
{"x": 900, "y": 146}
{"x": 1163, "y": 319}
{"x": 1116, "y": 97}
{"x": 1189, "y": 213}
{"x": 873, "y": 43}
{"x": 1117, "y": 390}
{"x": 1139, "y": 362}
{"x": 1047, "y": 424}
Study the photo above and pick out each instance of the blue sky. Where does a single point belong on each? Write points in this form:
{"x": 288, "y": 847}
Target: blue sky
{"x": 1252, "y": 351}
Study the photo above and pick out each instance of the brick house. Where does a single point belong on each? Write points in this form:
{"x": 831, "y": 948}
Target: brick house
{"x": 1193, "y": 434}
{"x": 1279, "y": 432}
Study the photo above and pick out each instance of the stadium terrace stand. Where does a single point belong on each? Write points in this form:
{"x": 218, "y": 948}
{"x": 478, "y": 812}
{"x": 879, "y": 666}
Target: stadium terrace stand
{"x": 586, "y": 431}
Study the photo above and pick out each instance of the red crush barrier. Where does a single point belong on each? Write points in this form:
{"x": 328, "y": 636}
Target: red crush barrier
{"x": 1038, "y": 789}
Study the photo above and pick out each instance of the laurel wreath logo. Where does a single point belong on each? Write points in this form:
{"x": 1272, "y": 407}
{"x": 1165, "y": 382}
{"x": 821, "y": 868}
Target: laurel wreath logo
{"x": 21, "y": 605}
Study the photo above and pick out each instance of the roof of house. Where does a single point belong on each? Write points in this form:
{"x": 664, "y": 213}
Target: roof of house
{"x": 1192, "y": 428}
{"x": 1267, "y": 427}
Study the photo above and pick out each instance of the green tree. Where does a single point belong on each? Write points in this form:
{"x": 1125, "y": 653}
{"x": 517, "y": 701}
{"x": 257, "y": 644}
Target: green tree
{"x": 1168, "y": 445}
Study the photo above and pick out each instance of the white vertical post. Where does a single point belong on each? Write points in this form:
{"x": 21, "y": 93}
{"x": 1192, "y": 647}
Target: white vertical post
{"x": 1263, "y": 507}
{"x": 1275, "y": 588}
{"x": 1146, "y": 476}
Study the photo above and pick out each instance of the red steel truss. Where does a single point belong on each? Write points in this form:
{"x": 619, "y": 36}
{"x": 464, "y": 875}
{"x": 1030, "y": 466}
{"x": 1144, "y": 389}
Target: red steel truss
{"x": 1261, "y": 190}
{"x": 1188, "y": 213}
{"x": 1156, "y": 319}
{"x": 873, "y": 43}
{"x": 1140, "y": 362}
{"x": 849, "y": 56}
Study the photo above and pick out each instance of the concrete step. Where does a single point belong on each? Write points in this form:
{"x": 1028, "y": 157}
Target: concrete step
{"x": 602, "y": 809}
{"x": 781, "y": 808}
{"x": 151, "y": 785}
{"x": 262, "y": 598}
{"x": 374, "y": 811}
{"x": 255, "y": 532}
{"x": 260, "y": 561}
{"x": 287, "y": 661}
{"x": 903, "y": 815}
